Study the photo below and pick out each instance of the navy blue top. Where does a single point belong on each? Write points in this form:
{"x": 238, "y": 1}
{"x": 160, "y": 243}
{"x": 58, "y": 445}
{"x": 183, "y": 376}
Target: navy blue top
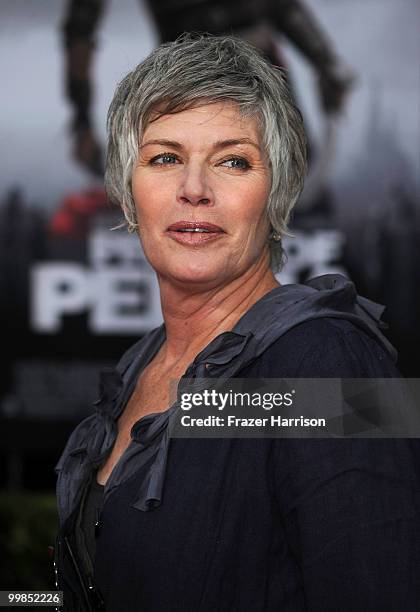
{"x": 244, "y": 525}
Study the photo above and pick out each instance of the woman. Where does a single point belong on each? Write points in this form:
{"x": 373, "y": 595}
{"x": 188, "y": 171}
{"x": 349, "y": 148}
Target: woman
{"x": 206, "y": 155}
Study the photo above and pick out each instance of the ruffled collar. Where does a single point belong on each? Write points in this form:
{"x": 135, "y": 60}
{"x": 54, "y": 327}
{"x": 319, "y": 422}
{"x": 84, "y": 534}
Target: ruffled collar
{"x": 282, "y": 308}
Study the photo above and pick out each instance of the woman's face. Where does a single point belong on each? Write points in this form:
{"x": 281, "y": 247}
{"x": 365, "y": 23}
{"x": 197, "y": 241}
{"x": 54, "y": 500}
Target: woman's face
{"x": 200, "y": 187}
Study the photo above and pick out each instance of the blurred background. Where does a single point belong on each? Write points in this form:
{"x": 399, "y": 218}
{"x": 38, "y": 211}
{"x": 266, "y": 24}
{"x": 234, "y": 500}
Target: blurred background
{"x": 74, "y": 295}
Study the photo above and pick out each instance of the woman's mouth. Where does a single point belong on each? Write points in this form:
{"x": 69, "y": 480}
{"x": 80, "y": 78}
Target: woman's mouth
{"x": 194, "y": 232}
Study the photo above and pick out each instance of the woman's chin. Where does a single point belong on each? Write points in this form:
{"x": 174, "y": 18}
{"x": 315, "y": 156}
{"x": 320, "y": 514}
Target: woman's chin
{"x": 192, "y": 273}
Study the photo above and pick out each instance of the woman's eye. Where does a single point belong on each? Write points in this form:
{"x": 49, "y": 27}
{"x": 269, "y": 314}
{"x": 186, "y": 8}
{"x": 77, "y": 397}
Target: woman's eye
{"x": 238, "y": 163}
{"x": 164, "y": 159}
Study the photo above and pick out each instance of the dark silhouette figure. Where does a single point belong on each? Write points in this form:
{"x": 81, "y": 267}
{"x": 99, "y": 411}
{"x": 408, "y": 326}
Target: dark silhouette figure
{"x": 259, "y": 22}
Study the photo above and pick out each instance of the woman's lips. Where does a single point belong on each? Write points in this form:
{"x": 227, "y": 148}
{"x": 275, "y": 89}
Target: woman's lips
{"x": 194, "y": 232}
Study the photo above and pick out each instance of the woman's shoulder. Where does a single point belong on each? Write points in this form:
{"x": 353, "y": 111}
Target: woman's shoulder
{"x": 326, "y": 347}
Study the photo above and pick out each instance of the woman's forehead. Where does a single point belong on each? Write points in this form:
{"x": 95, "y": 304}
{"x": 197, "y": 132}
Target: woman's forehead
{"x": 222, "y": 118}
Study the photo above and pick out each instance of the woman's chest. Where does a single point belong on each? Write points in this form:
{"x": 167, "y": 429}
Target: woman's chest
{"x": 216, "y": 513}
{"x": 152, "y": 394}
{"x": 211, "y": 486}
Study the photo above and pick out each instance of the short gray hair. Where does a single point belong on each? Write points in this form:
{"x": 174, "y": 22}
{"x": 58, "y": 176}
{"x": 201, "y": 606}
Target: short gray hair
{"x": 202, "y": 68}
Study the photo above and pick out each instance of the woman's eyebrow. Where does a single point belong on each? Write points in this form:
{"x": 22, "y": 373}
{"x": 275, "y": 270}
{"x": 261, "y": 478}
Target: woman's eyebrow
{"x": 163, "y": 141}
{"x": 219, "y": 144}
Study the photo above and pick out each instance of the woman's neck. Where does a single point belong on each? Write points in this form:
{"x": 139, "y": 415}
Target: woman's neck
{"x": 193, "y": 317}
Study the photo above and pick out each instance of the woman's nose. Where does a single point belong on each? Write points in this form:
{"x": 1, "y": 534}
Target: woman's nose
{"x": 194, "y": 188}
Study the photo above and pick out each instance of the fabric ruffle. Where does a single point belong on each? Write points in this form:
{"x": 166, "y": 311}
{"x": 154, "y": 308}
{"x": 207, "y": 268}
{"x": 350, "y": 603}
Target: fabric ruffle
{"x": 330, "y": 295}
